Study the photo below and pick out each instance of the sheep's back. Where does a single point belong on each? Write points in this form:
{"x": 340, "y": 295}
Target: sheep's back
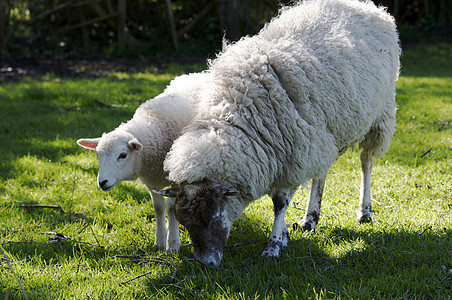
{"x": 281, "y": 105}
{"x": 338, "y": 61}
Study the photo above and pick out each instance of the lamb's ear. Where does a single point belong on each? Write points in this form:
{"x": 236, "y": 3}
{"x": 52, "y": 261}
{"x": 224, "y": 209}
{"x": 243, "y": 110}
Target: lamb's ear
{"x": 89, "y": 144}
{"x": 169, "y": 192}
{"x": 135, "y": 144}
{"x": 224, "y": 190}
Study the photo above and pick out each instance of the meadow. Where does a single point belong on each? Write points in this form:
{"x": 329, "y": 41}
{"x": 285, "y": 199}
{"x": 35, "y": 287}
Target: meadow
{"x": 63, "y": 238}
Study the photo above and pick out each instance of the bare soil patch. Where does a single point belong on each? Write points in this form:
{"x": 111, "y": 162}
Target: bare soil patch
{"x": 15, "y": 69}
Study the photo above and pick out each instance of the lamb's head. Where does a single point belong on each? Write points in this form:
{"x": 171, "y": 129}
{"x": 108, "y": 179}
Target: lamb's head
{"x": 119, "y": 156}
{"x": 207, "y": 210}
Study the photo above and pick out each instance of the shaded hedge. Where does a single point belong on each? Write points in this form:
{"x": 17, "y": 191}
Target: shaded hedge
{"x": 61, "y": 27}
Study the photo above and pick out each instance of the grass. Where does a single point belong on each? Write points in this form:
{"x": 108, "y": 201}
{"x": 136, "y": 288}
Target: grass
{"x": 107, "y": 238}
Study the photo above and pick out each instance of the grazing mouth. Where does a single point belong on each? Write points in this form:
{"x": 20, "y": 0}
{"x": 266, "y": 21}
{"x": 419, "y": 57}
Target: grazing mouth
{"x": 213, "y": 258}
{"x": 106, "y": 188}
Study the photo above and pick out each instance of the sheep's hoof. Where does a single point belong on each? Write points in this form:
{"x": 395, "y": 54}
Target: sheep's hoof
{"x": 276, "y": 243}
{"x": 364, "y": 219}
{"x": 273, "y": 249}
{"x": 364, "y": 215}
{"x": 304, "y": 226}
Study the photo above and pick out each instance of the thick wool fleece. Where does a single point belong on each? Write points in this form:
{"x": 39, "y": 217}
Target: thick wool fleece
{"x": 281, "y": 106}
{"x": 159, "y": 121}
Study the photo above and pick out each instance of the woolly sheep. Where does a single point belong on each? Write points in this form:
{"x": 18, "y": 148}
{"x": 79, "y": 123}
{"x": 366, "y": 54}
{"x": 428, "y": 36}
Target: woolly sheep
{"x": 136, "y": 149}
{"x": 278, "y": 110}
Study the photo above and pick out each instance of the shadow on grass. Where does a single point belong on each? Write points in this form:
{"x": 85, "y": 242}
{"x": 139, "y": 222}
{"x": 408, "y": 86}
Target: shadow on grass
{"x": 36, "y": 136}
{"x": 53, "y": 252}
{"x": 36, "y": 123}
{"x": 37, "y": 126}
{"x": 427, "y": 60}
{"x": 373, "y": 263}
{"x": 385, "y": 265}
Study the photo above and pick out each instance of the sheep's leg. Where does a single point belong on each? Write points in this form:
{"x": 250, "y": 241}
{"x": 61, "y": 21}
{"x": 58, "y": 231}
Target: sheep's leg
{"x": 364, "y": 213}
{"x": 159, "y": 209}
{"x": 311, "y": 218}
{"x": 173, "y": 240}
{"x": 279, "y": 237}
{"x": 375, "y": 143}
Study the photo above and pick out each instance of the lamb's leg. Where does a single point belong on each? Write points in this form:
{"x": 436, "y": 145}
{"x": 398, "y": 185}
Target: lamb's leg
{"x": 173, "y": 240}
{"x": 364, "y": 213}
{"x": 311, "y": 218}
{"x": 279, "y": 237}
{"x": 159, "y": 209}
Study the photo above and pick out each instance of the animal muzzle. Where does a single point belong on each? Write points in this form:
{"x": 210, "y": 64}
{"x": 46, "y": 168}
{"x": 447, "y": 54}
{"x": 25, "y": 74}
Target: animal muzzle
{"x": 105, "y": 185}
{"x": 208, "y": 245}
{"x": 211, "y": 257}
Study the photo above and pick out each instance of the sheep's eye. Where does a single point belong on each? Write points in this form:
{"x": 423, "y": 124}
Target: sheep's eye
{"x": 122, "y": 155}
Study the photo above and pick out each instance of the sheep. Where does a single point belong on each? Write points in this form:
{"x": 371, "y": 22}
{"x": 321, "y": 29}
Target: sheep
{"x": 136, "y": 149}
{"x": 278, "y": 109}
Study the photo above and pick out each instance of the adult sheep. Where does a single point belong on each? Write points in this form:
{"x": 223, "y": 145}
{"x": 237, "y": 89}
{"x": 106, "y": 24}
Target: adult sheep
{"x": 278, "y": 110}
{"x": 136, "y": 149}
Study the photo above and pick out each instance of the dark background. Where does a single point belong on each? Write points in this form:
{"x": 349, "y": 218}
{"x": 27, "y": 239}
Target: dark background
{"x": 65, "y": 29}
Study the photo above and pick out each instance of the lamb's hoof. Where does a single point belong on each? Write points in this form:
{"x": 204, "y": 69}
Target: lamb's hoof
{"x": 170, "y": 251}
{"x": 160, "y": 246}
{"x": 364, "y": 219}
{"x": 157, "y": 248}
{"x": 172, "y": 247}
{"x": 304, "y": 226}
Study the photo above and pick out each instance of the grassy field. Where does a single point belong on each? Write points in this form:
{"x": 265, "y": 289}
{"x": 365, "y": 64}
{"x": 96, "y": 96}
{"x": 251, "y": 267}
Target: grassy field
{"x": 95, "y": 245}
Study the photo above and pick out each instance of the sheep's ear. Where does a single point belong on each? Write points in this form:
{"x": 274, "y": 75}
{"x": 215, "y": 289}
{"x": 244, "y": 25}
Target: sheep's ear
{"x": 224, "y": 190}
{"x": 89, "y": 144}
{"x": 169, "y": 192}
{"x": 135, "y": 144}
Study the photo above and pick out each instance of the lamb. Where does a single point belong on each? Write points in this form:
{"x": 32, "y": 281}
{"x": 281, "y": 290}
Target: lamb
{"x": 278, "y": 109}
{"x": 136, "y": 149}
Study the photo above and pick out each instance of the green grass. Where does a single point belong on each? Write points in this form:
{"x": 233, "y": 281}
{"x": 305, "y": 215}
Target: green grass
{"x": 404, "y": 254}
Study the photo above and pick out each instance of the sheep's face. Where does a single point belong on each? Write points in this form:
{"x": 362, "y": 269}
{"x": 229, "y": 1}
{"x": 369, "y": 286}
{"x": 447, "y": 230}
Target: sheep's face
{"x": 119, "y": 158}
{"x": 207, "y": 210}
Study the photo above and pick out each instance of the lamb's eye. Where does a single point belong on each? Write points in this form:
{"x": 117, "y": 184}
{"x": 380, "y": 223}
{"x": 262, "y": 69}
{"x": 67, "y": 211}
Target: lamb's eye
{"x": 122, "y": 155}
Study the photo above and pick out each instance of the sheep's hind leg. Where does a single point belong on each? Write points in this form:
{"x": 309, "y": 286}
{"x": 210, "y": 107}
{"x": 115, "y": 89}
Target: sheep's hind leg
{"x": 159, "y": 209}
{"x": 375, "y": 143}
{"x": 311, "y": 218}
{"x": 279, "y": 237}
{"x": 364, "y": 213}
{"x": 173, "y": 240}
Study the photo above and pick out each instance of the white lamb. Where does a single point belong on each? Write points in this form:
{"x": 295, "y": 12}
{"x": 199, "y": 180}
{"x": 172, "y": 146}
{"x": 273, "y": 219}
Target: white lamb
{"x": 136, "y": 149}
{"x": 278, "y": 110}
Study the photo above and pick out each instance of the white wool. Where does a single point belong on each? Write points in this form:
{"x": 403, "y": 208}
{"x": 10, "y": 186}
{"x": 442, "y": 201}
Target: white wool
{"x": 281, "y": 106}
{"x": 137, "y": 149}
{"x": 159, "y": 121}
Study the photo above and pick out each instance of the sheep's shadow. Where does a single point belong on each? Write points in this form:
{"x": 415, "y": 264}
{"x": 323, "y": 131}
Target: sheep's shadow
{"x": 399, "y": 256}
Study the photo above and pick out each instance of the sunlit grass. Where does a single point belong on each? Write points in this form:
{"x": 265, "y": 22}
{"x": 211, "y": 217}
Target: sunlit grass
{"x": 404, "y": 254}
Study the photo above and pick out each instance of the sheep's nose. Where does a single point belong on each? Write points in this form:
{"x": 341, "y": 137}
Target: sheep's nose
{"x": 103, "y": 184}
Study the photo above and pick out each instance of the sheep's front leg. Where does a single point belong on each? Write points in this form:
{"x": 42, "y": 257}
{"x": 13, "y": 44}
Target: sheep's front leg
{"x": 311, "y": 218}
{"x": 159, "y": 209}
{"x": 173, "y": 240}
{"x": 364, "y": 213}
{"x": 279, "y": 237}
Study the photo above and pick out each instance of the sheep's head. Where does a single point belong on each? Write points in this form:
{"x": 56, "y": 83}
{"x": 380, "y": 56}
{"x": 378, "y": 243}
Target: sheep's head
{"x": 119, "y": 157}
{"x": 207, "y": 210}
